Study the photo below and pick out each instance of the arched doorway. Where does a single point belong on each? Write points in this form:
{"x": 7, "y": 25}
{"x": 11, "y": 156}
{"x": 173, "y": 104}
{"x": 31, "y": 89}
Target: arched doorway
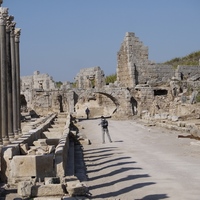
{"x": 134, "y": 105}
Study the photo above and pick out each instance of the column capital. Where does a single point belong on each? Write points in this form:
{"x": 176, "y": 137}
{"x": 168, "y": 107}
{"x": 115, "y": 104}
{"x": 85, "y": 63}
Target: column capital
{"x": 9, "y": 22}
{"x": 17, "y": 34}
{"x": 3, "y": 15}
{"x": 12, "y": 29}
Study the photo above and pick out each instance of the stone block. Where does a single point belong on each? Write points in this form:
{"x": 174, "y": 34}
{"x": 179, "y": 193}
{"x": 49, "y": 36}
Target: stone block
{"x": 24, "y": 148}
{"x": 40, "y": 142}
{"x": 48, "y": 190}
{"x": 75, "y": 188}
{"x": 52, "y": 134}
{"x": 51, "y": 180}
{"x": 11, "y": 150}
{"x": 24, "y": 188}
{"x": 33, "y": 166}
{"x": 69, "y": 179}
{"x": 195, "y": 132}
{"x": 41, "y": 151}
{"x": 32, "y": 151}
{"x": 8, "y": 152}
{"x": 36, "y": 148}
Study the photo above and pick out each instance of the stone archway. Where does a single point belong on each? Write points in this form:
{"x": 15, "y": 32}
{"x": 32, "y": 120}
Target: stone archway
{"x": 99, "y": 104}
{"x": 134, "y": 105}
{"x": 60, "y": 100}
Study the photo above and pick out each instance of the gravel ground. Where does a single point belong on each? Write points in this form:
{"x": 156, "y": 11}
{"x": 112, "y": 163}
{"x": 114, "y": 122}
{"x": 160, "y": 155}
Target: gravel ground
{"x": 142, "y": 162}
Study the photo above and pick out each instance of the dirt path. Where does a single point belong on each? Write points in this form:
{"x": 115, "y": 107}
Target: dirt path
{"x": 146, "y": 163}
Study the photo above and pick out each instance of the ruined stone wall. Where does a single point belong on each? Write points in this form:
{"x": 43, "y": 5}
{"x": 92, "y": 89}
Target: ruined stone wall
{"x": 90, "y": 77}
{"x": 185, "y": 72}
{"x": 66, "y": 85}
{"x": 132, "y": 61}
{"x": 45, "y": 102}
{"x": 159, "y": 74}
{"x": 134, "y": 67}
{"x": 43, "y": 81}
{"x": 26, "y": 88}
{"x": 37, "y": 91}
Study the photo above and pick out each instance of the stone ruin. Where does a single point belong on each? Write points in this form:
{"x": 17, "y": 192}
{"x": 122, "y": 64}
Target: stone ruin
{"x": 161, "y": 94}
{"x": 90, "y": 78}
{"x": 143, "y": 88}
{"x": 41, "y": 162}
{"x": 156, "y": 93}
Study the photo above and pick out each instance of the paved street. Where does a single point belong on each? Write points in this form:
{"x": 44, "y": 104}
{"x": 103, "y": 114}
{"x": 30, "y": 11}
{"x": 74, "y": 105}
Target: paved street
{"x": 142, "y": 162}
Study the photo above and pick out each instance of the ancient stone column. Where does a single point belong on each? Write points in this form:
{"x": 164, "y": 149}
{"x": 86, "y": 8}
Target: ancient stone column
{"x": 18, "y": 85}
{"x": 9, "y": 25}
{"x": 1, "y": 141}
{"x": 4, "y": 103}
{"x": 14, "y": 84}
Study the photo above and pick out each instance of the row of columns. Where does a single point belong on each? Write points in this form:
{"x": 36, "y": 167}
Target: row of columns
{"x": 10, "y": 118}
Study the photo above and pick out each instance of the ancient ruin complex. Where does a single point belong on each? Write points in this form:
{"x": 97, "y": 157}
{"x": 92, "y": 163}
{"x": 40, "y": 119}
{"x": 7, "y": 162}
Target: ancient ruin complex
{"x": 36, "y": 157}
{"x": 143, "y": 88}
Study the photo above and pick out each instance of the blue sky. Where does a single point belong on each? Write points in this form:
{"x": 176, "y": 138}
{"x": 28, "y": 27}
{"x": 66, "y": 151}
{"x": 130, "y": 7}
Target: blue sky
{"x": 59, "y": 37}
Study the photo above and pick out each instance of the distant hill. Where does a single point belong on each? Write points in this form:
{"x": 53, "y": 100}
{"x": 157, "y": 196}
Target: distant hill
{"x": 191, "y": 59}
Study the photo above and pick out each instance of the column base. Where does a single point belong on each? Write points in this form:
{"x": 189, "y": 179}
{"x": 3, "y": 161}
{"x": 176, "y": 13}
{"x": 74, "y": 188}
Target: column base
{"x": 16, "y": 135}
{"x": 6, "y": 141}
{"x": 11, "y": 137}
{"x": 20, "y": 132}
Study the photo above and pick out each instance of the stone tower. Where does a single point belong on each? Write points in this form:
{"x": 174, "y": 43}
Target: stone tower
{"x": 132, "y": 60}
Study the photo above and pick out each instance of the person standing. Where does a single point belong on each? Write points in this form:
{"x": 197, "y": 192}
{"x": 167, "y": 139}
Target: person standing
{"x": 104, "y": 126}
{"x": 87, "y": 112}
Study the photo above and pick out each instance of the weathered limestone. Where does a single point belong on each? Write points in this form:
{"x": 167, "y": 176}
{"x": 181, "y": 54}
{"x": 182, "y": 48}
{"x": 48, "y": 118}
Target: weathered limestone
{"x": 40, "y": 175}
{"x": 24, "y": 188}
{"x": 47, "y": 165}
{"x": 143, "y": 88}
{"x": 48, "y": 190}
{"x": 90, "y": 78}
{"x": 17, "y": 149}
{"x": 28, "y": 189}
{"x": 40, "y": 93}
{"x": 154, "y": 92}
{"x": 131, "y": 57}
{"x": 75, "y": 188}
{"x": 26, "y": 166}
{"x": 134, "y": 67}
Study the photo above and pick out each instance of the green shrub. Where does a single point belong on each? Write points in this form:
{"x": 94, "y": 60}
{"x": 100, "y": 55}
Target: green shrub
{"x": 111, "y": 78}
{"x": 58, "y": 84}
{"x": 191, "y": 59}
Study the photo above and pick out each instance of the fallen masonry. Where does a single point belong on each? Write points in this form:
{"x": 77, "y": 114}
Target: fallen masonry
{"x": 40, "y": 163}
